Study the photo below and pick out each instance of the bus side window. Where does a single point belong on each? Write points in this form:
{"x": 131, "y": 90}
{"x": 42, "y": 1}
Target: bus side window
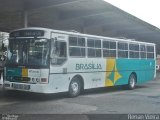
{"x": 77, "y": 46}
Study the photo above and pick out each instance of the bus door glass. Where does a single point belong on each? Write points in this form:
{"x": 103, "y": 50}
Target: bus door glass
{"x": 58, "y": 50}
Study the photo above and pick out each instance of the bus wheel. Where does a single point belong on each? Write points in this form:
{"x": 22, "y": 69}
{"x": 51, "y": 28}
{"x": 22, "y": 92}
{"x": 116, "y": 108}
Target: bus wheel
{"x": 74, "y": 88}
{"x": 132, "y": 81}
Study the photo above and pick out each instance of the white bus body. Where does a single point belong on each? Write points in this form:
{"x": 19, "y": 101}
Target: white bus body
{"x": 91, "y": 66}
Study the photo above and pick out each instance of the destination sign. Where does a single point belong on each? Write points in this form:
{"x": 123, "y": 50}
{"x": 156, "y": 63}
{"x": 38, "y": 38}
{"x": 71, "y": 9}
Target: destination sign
{"x": 27, "y": 33}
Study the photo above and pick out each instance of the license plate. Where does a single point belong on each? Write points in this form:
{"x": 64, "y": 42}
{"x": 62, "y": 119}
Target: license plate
{"x": 21, "y": 86}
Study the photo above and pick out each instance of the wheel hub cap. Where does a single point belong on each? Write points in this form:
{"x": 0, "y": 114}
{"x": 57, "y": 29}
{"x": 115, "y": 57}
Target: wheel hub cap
{"x": 74, "y": 87}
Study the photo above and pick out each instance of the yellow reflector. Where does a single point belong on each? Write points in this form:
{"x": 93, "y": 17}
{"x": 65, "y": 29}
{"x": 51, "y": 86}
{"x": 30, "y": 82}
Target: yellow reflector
{"x": 24, "y": 72}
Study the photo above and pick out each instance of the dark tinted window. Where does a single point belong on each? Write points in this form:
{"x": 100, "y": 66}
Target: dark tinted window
{"x": 75, "y": 51}
{"x": 150, "y": 49}
{"x": 73, "y": 41}
{"x": 109, "y": 53}
{"x": 134, "y": 54}
{"x": 97, "y": 43}
{"x": 150, "y": 55}
{"x": 143, "y": 54}
{"x": 77, "y": 46}
{"x": 106, "y": 44}
{"x": 112, "y": 45}
{"x": 123, "y": 46}
{"x": 150, "y": 52}
{"x": 142, "y": 48}
{"x": 123, "y": 54}
{"x": 81, "y": 41}
{"x": 109, "y": 44}
{"x": 94, "y": 48}
{"x": 90, "y": 43}
{"x": 134, "y": 47}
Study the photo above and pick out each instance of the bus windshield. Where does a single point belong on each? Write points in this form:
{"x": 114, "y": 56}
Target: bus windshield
{"x": 28, "y": 52}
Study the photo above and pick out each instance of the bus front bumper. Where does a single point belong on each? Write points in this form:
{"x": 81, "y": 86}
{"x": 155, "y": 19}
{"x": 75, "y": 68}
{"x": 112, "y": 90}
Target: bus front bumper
{"x": 36, "y": 88}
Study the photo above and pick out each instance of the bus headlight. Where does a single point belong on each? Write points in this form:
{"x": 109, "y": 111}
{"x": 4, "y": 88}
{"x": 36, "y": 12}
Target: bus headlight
{"x": 38, "y": 80}
{"x": 33, "y": 80}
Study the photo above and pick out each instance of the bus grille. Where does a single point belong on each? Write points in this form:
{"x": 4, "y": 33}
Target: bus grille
{"x": 18, "y": 79}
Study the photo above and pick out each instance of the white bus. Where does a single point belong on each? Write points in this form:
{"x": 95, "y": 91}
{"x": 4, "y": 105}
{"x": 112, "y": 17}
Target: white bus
{"x": 50, "y": 61}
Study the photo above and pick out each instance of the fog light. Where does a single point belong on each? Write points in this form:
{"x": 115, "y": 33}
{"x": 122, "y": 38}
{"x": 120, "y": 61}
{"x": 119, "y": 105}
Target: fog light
{"x": 33, "y": 80}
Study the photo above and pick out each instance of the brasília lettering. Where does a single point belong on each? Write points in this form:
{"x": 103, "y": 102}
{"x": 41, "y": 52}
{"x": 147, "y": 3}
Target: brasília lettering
{"x": 88, "y": 66}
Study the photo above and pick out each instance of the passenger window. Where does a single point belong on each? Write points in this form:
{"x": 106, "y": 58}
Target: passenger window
{"x": 73, "y": 41}
{"x": 81, "y": 41}
{"x": 94, "y": 48}
{"x": 109, "y": 49}
{"x": 90, "y": 43}
{"x": 112, "y": 45}
{"x": 122, "y": 50}
{"x": 134, "y": 50}
{"x": 150, "y": 49}
{"x": 142, "y": 51}
{"x": 75, "y": 51}
{"x": 122, "y": 46}
{"x": 97, "y": 44}
{"x": 106, "y": 44}
{"x": 150, "y": 52}
{"x": 77, "y": 46}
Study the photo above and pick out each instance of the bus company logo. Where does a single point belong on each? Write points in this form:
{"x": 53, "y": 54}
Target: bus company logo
{"x": 89, "y": 66}
{"x": 34, "y": 71}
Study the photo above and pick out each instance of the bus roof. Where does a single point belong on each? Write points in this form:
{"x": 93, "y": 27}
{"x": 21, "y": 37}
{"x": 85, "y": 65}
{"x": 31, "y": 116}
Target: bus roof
{"x": 84, "y": 35}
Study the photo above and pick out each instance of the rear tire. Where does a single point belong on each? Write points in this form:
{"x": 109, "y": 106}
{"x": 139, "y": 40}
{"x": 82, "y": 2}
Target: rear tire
{"x": 132, "y": 82}
{"x": 74, "y": 88}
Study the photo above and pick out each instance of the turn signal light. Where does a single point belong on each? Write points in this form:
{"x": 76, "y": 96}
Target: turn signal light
{"x": 44, "y": 80}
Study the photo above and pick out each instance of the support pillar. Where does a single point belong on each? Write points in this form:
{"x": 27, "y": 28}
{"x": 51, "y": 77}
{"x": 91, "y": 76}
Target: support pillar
{"x": 25, "y": 19}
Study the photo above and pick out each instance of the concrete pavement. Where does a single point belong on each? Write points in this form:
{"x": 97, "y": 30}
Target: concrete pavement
{"x": 116, "y": 100}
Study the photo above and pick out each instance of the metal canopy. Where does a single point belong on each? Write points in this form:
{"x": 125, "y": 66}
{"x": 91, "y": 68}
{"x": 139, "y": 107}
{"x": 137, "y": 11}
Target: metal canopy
{"x": 87, "y": 16}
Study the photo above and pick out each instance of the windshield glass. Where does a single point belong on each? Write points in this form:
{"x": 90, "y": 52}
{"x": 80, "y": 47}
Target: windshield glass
{"x": 28, "y": 52}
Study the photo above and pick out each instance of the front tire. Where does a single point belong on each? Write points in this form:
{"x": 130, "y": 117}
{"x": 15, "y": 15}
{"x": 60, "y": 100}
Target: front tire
{"x": 132, "y": 82}
{"x": 74, "y": 88}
